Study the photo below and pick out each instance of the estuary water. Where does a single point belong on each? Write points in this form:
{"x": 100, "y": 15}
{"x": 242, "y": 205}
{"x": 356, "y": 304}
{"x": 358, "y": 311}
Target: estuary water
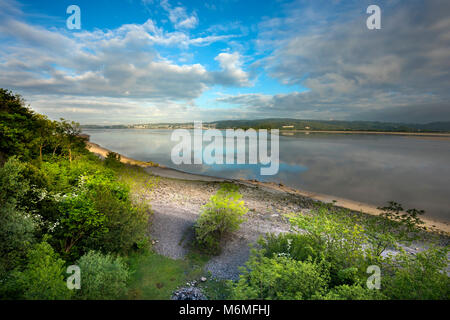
{"x": 374, "y": 169}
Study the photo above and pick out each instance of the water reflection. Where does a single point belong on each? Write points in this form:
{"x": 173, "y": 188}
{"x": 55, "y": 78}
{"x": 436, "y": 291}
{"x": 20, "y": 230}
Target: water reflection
{"x": 367, "y": 168}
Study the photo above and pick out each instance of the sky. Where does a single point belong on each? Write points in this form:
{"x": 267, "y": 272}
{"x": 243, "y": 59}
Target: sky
{"x": 149, "y": 61}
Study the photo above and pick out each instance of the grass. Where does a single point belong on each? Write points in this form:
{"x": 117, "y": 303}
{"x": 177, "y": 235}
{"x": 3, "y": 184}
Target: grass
{"x": 156, "y": 277}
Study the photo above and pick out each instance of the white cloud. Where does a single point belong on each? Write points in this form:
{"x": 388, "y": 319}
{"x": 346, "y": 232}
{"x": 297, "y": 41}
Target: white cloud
{"x": 232, "y": 73}
{"x": 179, "y": 17}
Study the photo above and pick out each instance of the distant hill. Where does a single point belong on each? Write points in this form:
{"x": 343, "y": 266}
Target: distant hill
{"x": 296, "y": 124}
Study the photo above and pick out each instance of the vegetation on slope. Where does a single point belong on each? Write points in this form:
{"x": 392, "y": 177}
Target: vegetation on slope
{"x": 61, "y": 205}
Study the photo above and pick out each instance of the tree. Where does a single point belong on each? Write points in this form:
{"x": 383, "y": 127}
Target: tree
{"x": 43, "y": 277}
{"x": 71, "y": 133}
{"x": 44, "y": 132}
{"x": 102, "y": 276}
{"x": 16, "y": 226}
{"x": 17, "y": 124}
{"x": 79, "y": 220}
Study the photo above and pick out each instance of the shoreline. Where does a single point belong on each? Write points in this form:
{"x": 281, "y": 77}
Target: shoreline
{"x": 286, "y": 131}
{"x": 169, "y": 173}
{"x": 419, "y": 134}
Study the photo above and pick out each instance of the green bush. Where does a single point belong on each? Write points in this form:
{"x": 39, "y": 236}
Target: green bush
{"x": 299, "y": 247}
{"x": 221, "y": 215}
{"x": 341, "y": 247}
{"x": 353, "y": 292}
{"x": 112, "y": 160}
{"x": 16, "y": 226}
{"x": 418, "y": 277}
{"x": 280, "y": 278}
{"x": 103, "y": 277}
{"x": 127, "y": 224}
{"x": 337, "y": 240}
{"x": 43, "y": 277}
{"x": 79, "y": 221}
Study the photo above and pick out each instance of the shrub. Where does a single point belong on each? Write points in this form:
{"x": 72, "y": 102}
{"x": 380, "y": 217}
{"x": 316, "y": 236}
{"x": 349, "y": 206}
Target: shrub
{"x": 103, "y": 277}
{"x": 353, "y": 292}
{"x": 16, "y": 227}
{"x": 296, "y": 246}
{"x": 393, "y": 227}
{"x": 422, "y": 276}
{"x": 113, "y": 160}
{"x": 127, "y": 224}
{"x": 222, "y": 215}
{"x": 342, "y": 246}
{"x": 280, "y": 278}
{"x": 79, "y": 220}
{"x": 43, "y": 277}
{"x": 337, "y": 239}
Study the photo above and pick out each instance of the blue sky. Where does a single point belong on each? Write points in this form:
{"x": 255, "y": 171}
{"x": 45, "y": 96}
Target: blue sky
{"x": 139, "y": 61}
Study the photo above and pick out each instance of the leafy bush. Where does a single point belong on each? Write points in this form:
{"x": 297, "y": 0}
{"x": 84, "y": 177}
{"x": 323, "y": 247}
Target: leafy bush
{"x": 280, "y": 278}
{"x": 43, "y": 277}
{"x": 421, "y": 276}
{"x": 337, "y": 239}
{"x": 293, "y": 245}
{"x": 353, "y": 292}
{"x": 113, "y": 160}
{"x": 79, "y": 220}
{"x": 341, "y": 247}
{"x": 394, "y": 227}
{"x": 222, "y": 214}
{"x": 16, "y": 227}
{"x": 126, "y": 223}
{"x": 103, "y": 277}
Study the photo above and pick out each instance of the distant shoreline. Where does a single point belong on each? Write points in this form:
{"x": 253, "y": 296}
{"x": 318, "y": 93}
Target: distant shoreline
{"x": 284, "y": 131}
{"x": 170, "y": 173}
{"x": 427, "y": 134}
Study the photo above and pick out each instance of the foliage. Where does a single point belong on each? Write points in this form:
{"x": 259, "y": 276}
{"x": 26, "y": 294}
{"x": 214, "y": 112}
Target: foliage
{"x": 103, "y": 277}
{"x": 394, "y": 227}
{"x": 16, "y": 127}
{"x": 79, "y": 219}
{"x": 63, "y": 191}
{"x": 113, "y": 160}
{"x": 341, "y": 247}
{"x": 293, "y": 245}
{"x": 419, "y": 277}
{"x": 336, "y": 238}
{"x": 280, "y": 278}
{"x": 127, "y": 224}
{"x": 43, "y": 277}
{"x": 221, "y": 215}
{"x": 16, "y": 226}
{"x": 351, "y": 292}
{"x": 27, "y": 134}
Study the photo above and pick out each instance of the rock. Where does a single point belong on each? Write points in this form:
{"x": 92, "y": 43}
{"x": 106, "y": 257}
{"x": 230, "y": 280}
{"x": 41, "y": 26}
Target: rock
{"x": 203, "y": 279}
{"x": 188, "y": 293}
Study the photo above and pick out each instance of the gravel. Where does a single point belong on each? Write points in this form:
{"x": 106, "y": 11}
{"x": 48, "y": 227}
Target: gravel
{"x": 176, "y": 205}
{"x": 171, "y": 229}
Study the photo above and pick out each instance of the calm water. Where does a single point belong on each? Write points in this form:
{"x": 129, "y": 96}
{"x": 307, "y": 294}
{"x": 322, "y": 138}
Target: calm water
{"x": 374, "y": 169}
